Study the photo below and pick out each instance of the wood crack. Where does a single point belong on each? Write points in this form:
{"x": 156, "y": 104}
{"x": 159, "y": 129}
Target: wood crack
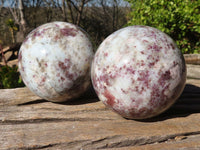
{"x": 52, "y": 146}
{"x": 46, "y": 120}
{"x": 116, "y": 141}
{"x": 121, "y": 142}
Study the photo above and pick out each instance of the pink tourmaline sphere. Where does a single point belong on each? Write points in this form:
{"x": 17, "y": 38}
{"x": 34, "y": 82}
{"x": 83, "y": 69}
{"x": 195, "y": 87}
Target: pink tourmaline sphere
{"x": 54, "y": 61}
{"x": 138, "y": 71}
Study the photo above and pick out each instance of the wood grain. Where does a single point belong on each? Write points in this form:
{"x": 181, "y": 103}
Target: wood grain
{"x": 192, "y": 59}
{"x": 28, "y": 122}
{"x": 193, "y": 71}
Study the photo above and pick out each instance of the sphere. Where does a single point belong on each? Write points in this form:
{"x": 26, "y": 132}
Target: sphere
{"x": 138, "y": 72}
{"x": 54, "y": 61}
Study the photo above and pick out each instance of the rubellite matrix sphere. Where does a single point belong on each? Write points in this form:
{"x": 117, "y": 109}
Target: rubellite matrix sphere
{"x": 54, "y": 61}
{"x": 138, "y": 71}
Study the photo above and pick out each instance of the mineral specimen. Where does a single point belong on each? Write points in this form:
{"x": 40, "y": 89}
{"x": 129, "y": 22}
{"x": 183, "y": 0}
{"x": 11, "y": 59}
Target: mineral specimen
{"x": 138, "y": 72}
{"x": 54, "y": 61}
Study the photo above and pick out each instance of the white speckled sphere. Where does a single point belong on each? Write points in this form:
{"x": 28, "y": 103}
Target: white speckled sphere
{"x": 54, "y": 61}
{"x": 138, "y": 71}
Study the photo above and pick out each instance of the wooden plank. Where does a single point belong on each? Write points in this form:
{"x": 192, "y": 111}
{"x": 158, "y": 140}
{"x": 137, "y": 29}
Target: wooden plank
{"x": 95, "y": 134}
{"x": 28, "y": 122}
{"x": 193, "y": 71}
{"x": 185, "y": 142}
{"x": 16, "y": 96}
{"x": 192, "y": 59}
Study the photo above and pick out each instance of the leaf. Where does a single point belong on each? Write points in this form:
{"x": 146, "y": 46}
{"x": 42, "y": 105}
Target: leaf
{"x": 178, "y": 18}
{"x": 15, "y": 28}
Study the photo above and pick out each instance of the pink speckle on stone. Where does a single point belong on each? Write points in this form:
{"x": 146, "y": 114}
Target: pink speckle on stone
{"x": 110, "y": 98}
{"x": 20, "y": 56}
{"x": 138, "y": 72}
{"x": 58, "y": 70}
{"x": 68, "y": 31}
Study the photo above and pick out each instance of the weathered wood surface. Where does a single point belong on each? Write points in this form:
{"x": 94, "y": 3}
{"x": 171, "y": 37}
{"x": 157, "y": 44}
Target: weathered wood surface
{"x": 28, "y": 122}
{"x": 193, "y": 71}
{"x": 192, "y": 59}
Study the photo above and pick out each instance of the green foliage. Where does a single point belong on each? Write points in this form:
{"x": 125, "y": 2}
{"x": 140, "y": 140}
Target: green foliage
{"x": 12, "y": 27}
{"x": 178, "y": 18}
{"x": 11, "y": 24}
{"x": 10, "y": 77}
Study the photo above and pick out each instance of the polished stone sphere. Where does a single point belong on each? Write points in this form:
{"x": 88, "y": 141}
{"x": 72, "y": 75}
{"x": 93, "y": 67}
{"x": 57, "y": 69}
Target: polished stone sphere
{"x": 54, "y": 61}
{"x": 138, "y": 72}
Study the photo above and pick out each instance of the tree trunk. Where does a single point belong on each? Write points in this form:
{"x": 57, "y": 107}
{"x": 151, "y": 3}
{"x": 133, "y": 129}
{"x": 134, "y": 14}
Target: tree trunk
{"x": 23, "y": 23}
{"x": 80, "y": 11}
{"x": 63, "y": 11}
{"x": 71, "y": 10}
